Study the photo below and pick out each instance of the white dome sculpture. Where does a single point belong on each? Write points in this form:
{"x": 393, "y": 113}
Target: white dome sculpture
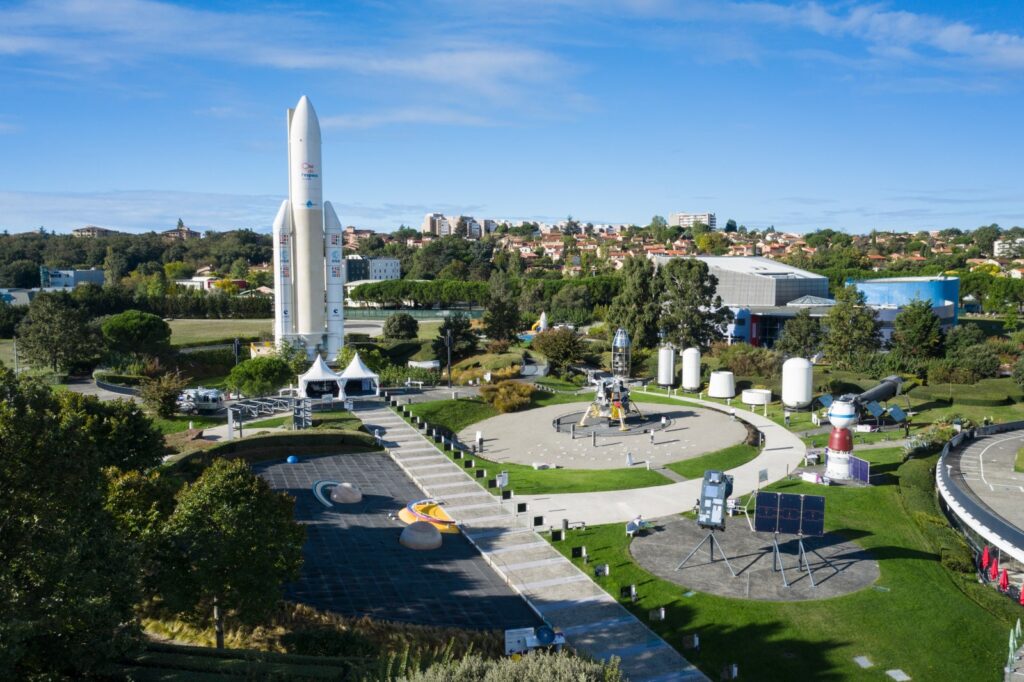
{"x": 420, "y": 536}
{"x": 346, "y": 493}
{"x": 756, "y": 396}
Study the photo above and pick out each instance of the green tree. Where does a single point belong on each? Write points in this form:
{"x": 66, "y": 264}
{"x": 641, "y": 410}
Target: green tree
{"x": 572, "y": 303}
{"x": 730, "y": 225}
{"x": 294, "y": 355}
{"x": 1011, "y": 320}
{"x": 401, "y": 326}
{"x": 239, "y": 268}
{"x": 981, "y": 360}
{"x": 636, "y": 309}
{"x": 801, "y": 335}
{"x": 115, "y": 266}
{"x": 160, "y": 395}
{"x": 140, "y": 503}
{"x": 233, "y": 543}
{"x": 57, "y": 334}
{"x": 134, "y": 332}
{"x": 259, "y": 376}
{"x": 67, "y": 580}
{"x": 371, "y": 357}
{"x": 692, "y": 311}
{"x": 851, "y": 329}
{"x": 463, "y": 338}
{"x": 19, "y": 274}
{"x": 501, "y": 319}
{"x": 963, "y": 336}
{"x": 917, "y": 332}
{"x": 562, "y": 347}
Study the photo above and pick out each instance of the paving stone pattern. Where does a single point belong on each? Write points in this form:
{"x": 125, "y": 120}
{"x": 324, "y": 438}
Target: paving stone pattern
{"x": 355, "y": 566}
{"x": 565, "y": 597}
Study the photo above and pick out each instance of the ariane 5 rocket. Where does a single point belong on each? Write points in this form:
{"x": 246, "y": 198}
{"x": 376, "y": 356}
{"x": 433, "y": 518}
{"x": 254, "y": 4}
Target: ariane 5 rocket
{"x": 309, "y": 267}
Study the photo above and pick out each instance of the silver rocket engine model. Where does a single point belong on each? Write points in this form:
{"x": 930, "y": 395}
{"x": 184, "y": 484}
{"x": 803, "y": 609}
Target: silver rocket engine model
{"x": 309, "y": 267}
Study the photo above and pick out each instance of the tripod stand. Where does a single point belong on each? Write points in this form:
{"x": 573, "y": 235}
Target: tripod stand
{"x": 712, "y": 541}
{"x": 803, "y": 563}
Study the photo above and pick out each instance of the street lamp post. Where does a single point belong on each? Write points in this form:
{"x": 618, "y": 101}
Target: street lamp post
{"x": 448, "y": 344}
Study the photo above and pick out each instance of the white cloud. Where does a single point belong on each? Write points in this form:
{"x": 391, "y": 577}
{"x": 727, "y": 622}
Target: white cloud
{"x": 107, "y": 34}
{"x": 427, "y": 115}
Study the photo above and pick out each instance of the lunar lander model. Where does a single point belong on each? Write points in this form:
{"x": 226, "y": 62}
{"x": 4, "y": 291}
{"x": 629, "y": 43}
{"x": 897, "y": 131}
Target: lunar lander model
{"x": 611, "y": 397}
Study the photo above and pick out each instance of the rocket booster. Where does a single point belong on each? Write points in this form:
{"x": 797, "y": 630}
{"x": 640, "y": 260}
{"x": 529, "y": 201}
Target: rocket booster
{"x": 308, "y": 261}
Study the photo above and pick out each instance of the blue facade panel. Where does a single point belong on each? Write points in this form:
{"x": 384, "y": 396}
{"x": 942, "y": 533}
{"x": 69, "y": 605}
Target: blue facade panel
{"x": 902, "y": 292}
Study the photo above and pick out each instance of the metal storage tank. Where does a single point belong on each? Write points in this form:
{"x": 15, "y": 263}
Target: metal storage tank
{"x": 666, "y": 366}
{"x": 797, "y": 383}
{"x": 722, "y": 385}
{"x": 691, "y": 369}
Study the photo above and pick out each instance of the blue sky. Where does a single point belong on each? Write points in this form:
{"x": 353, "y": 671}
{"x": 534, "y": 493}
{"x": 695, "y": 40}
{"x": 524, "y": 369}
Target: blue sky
{"x": 847, "y": 115}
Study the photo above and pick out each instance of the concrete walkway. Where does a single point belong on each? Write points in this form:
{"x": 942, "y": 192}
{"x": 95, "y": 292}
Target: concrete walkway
{"x": 783, "y": 452}
{"x": 594, "y": 623}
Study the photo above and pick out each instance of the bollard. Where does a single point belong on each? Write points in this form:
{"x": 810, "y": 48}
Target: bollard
{"x": 594, "y": 434}
{"x": 572, "y": 430}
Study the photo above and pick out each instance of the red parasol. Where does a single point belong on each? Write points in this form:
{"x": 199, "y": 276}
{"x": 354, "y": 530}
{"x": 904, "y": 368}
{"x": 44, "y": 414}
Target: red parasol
{"x": 985, "y": 558}
{"x": 1004, "y": 581}
{"x": 1022, "y": 594}
{"x": 993, "y": 572}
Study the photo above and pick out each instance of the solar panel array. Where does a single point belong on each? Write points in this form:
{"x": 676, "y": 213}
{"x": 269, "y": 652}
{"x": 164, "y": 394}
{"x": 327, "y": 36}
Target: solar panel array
{"x": 825, "y": 399}
{"x": 897, "y": 414}
{"x": 789, "y": 513}
{"x": 860, "y": 469}
{"x": 874, "y": 409}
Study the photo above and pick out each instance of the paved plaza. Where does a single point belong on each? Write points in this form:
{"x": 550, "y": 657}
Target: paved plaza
{"x": 353, "y": 562}
{"x": 529, "y": 437}
{"x": 838, "y": 567}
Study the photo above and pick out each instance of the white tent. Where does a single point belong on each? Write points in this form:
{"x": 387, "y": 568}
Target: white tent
{"x": 319, "y": 373}
{"x": 358, "y": 371}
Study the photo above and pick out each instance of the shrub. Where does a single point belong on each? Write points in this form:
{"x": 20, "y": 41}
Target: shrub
{"x": 497, "y": 346}
{"x": 533, "y": 667}
{"x": 327, "y": 641}
{"x": 393, "y": 375}
{"x": 507, "y": 396}
{"x": 980, "y": 359}
{"x": 206, "y": 363}
{"x": 160, "y": 395}
{"x": 259, "y": 376}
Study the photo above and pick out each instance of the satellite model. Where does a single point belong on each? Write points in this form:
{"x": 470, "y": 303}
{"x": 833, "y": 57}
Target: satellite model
{"x": 611, "y": 396}
{"x": 844, "y": 413}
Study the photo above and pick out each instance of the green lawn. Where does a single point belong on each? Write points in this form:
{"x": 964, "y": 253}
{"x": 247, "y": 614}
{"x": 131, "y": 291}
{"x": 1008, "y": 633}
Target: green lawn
{"x": 919, "y": 618}
{"x": 428, "y": 330}
{"x": 210, "y": 382}
{"x": 217, "y": 331}
{"x": 557, "y": 384}
{"x": 1018, "y": 464}
{"x": 456, "y": 415}
{"x": 722, "y": 460}
{"x": 179, "y": 422}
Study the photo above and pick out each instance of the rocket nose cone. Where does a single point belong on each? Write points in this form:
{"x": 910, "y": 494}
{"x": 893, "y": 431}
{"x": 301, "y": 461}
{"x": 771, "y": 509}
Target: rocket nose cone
{"x": 305, "y": 107}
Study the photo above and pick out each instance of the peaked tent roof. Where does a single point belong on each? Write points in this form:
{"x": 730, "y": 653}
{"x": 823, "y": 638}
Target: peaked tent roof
{"x": 319, "y": 371}
{"x": 357, "y": 369}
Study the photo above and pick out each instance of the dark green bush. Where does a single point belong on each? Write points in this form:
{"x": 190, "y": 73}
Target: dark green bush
{"x": 328, "y": 641}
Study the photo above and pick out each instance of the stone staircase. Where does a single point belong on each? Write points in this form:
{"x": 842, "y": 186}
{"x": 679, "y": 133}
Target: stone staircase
{"x": 562, "y": 595}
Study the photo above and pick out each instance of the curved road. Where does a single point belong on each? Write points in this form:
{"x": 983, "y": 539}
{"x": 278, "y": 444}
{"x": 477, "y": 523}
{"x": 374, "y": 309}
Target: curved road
{"x": 783, "y": 452}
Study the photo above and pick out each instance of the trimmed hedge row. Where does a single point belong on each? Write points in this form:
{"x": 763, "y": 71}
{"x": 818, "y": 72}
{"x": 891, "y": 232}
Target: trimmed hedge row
{"x": 119, "y": 379}
{"x": 279, "y": 445}
{"x": 964, "y": 394}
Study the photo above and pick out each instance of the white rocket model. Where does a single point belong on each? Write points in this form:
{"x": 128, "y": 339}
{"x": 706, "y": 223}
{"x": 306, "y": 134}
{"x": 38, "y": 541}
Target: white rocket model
{"x": 309, "y": 268}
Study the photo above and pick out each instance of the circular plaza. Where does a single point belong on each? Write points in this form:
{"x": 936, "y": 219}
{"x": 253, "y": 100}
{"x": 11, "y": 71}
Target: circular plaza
{"x": 662, "y": 435}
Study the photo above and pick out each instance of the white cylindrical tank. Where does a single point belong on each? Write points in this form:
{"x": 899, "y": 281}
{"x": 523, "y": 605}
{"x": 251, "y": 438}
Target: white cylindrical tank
{"x": 797, "y": 383}
{"x": 666, "y": 366}
{"x": 756, "y": 396}
{"x": 691, "y": 369}
{"x": 722, "y": 385}
{"x": 842, "y": 414}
